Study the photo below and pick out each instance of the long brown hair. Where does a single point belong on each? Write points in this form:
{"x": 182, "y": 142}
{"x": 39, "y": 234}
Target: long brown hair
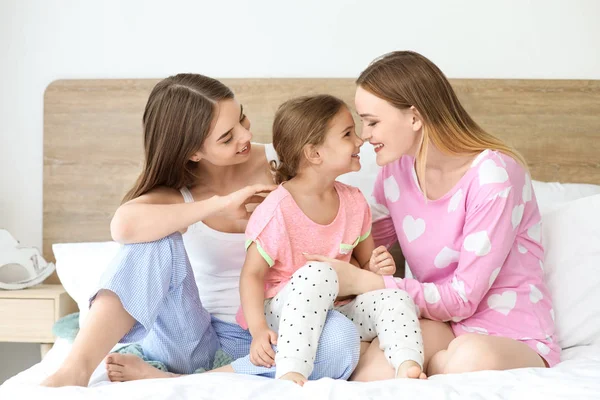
{"x": 405, "y": 79}
{"x": 299, "y": 122}
{"x": 177, "y": 120}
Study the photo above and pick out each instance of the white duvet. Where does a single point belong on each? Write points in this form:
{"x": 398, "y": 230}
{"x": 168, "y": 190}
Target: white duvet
{"x": 577, "y": 377}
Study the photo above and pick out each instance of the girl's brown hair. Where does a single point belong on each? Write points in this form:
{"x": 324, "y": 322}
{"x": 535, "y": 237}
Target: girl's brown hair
{"x": 299, "y": 122}
{"x": 176, "y": 121}
{"x": 405, "y": 79}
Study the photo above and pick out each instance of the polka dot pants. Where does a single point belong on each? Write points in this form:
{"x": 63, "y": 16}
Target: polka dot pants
{"x": 297, "y": 313}
{"x": 391, "y": 315}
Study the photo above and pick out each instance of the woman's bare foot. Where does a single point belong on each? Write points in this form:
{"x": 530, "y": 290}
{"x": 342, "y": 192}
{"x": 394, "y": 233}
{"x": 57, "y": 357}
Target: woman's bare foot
{"x": 127, "y": 367}
{"x": 410, "y": 369}
{"x": 295, "y": 377}
{"x": 67, "y": 376}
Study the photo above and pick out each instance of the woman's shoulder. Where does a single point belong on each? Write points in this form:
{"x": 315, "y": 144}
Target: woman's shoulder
{"x": 497, "y": 174}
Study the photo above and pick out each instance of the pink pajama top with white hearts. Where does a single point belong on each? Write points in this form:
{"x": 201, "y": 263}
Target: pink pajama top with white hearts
{"x": 475, "y": 253}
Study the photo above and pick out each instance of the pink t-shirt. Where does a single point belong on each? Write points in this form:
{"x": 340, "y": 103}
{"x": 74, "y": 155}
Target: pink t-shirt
{"x": 475, "y": 253}
{"x": 282, "y": 232}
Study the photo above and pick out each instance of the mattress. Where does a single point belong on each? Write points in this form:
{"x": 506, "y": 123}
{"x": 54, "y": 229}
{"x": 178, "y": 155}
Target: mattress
{"x": 576, "y": 377}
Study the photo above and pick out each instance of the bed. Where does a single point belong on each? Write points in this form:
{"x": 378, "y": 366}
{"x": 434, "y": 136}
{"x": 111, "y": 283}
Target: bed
{"x": 93, "y": 153}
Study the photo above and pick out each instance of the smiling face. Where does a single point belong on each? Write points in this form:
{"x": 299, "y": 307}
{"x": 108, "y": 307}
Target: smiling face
{"x": 339, "y": 151}
{"x": 228, "y": 142}
{"x": 393, "y": 132}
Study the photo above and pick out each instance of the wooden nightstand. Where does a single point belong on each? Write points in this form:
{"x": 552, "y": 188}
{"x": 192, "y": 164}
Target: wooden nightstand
{"x": 27, "y": 315}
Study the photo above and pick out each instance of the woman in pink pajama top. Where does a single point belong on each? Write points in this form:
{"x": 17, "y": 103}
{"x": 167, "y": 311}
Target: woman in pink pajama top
{"x": 461, "y": 205}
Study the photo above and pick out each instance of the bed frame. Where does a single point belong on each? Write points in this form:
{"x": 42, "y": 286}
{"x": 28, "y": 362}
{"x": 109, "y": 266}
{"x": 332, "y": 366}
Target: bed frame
{"x": 93, "y": 136}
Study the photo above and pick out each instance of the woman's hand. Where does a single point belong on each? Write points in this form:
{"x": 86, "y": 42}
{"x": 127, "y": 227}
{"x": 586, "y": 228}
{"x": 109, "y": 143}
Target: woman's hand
{"x": 382, "y": 262}
{"x": 233, "y": 205}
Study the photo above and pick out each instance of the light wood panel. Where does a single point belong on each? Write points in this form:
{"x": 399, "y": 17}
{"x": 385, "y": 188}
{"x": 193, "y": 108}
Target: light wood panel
{"x": 93, "y": 136}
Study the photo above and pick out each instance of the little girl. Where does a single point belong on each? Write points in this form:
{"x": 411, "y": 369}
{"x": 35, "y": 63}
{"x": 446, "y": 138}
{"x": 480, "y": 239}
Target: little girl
{"x": 284, "y": 298}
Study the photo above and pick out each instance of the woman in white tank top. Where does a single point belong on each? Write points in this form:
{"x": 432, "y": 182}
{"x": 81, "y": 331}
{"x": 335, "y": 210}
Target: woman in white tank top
{"x": 199, "y": 161}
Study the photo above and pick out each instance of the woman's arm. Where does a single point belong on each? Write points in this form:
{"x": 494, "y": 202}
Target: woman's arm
{"x": 252, "y": 290}
{"x": 352, "y": 281}
{"x": 162, "y": 212}
{"x": 490, "y": 231}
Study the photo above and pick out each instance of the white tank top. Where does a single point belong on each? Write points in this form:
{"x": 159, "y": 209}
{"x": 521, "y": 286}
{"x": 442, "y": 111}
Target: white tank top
{"x": 217, "y": 259}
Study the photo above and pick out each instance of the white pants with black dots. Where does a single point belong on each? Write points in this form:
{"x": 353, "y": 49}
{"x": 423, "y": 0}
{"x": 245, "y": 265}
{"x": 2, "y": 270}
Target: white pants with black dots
{"x": 297, "y": 313}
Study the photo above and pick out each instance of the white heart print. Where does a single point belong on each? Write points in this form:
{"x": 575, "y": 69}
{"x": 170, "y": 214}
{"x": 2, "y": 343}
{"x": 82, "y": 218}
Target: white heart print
{"x": 494, "y": 276}
{"x": 445, "y": 257}
{"x": 522, "y": 249}
{"x": 455, "y": 200}
{"x": 479, "y": 157}
{"x": 489, "y": 172}
{"x": 431, "y": 292}
{"x": 478, "y": 243}
{"x": 504, "y": 193}
{"x": 413, "y": 228}
{"x": 503, "y": 303}
{"x": 535, "y": 232}
{"x": 459, "y": 287}
{"x": 391, "y": 189}
{"x": 474, "y": 329}
{"x": 527, "y": 189}
{"x": 543, "y": 349}
{"x": 534, "y": 294}
{"x": 517, "y": 215}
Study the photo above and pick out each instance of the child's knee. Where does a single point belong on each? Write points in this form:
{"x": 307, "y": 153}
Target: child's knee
{"x": 317, "y": 275}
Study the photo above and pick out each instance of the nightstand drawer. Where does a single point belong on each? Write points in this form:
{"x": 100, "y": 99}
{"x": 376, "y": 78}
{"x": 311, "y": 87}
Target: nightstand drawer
{"x": 27, "y": 320}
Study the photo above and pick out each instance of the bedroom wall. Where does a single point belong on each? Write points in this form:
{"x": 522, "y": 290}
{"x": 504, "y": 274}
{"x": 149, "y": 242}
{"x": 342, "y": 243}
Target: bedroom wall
{"x": 43, "y": 41}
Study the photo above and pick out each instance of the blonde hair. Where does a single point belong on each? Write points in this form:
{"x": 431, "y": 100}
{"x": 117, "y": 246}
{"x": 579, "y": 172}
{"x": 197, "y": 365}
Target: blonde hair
{"x": 405, "y": 79}
{"x": 299, "y": 122}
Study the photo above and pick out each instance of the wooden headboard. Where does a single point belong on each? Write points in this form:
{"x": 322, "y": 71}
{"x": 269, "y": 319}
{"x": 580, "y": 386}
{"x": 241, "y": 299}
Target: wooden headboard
{"x": 93, "y": 136}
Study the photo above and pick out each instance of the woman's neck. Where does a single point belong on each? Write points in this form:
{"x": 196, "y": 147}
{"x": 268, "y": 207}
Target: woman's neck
{"x": 221, "y": 178}
{"x": 444, "y": 163}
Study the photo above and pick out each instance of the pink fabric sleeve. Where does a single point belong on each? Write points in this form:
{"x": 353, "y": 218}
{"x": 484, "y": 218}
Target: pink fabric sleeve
{"x": 382, "y": 229}
{"x": 265, "y": 229}
{"x": 489, "y": 236}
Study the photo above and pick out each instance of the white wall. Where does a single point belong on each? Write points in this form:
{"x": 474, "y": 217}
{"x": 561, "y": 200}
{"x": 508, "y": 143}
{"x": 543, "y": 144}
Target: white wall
{"x": 41, "y": 41}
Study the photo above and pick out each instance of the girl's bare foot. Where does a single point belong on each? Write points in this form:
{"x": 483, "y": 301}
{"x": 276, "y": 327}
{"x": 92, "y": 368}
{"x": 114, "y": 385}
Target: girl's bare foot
{"x": 294, "y": 377}
{"x": 127, "y": 367}
{"x": 410, "y": 369}
{"x": 67, "y": 376}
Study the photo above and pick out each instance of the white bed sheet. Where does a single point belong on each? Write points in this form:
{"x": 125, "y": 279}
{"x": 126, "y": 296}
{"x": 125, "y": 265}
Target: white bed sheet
{"x": 577, "y": 377}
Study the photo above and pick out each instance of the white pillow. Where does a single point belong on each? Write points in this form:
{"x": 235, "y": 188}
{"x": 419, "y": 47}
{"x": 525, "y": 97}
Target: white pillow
{"x": 79, "y": 267}
{"x": 571, "y": 238}
{"x": 552, "y": 195}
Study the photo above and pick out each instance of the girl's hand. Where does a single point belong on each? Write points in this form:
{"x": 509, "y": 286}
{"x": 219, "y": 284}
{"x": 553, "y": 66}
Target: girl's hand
{"x": 382, "y": 262}
{"x": 261, "y": 352}
{"x": 234, "y": 204}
